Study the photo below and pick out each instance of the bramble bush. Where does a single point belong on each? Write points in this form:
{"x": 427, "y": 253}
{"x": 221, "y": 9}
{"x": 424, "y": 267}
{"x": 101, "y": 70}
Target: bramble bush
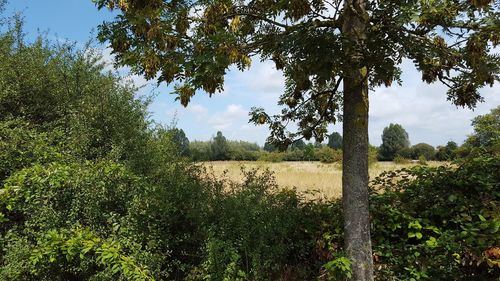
{"x": 438, "y": 223}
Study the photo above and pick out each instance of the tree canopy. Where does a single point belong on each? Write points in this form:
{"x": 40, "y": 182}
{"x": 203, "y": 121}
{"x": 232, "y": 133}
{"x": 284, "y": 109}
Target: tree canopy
{"x": 195, "y": 42}
{"x": 394, "y": 139}
{"x": 335, "y": 140}
{"x": 219, "y": 147}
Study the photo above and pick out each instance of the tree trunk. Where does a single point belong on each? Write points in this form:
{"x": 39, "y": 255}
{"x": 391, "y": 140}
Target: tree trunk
{"x": 355, "y": 147}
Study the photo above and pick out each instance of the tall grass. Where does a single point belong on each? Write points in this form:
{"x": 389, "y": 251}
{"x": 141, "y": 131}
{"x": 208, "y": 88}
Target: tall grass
{"x": 304, "y": 176}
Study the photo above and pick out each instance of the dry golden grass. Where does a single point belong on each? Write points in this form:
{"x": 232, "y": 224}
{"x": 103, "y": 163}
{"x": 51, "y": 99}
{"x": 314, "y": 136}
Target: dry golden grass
{"x": 305, "y": 176}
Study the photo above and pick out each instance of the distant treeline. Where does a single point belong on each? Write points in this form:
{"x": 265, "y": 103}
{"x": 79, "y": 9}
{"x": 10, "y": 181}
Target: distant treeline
{"x": 395, "y": 146}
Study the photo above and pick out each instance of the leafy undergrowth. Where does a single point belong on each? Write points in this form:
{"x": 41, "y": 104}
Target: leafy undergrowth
{"x": 99, "y": 221}
{"x": 438, "y": 223}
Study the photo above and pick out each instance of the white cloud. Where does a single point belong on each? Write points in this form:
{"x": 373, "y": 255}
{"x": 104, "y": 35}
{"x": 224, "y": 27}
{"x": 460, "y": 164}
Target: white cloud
{"x": 235, "y": 110}
{"x": 197, "y": 109}
{"x": 233, "y": 114}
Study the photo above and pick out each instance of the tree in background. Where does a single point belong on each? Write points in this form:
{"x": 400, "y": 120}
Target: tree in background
{"x": 447, "y": 152}
{"x": 394, "y": 139}
{"x": 298, "y": 145}
{"x": 200, "y": 150}
{"x": 335, "y": 141}
{"x": 309, "y": 152}
{"x": 319, "y": 45}
{"x": 219, "y": 147}
{"x": 269, "y": 147}
{"x": 423, "y": 149}
{"x": 486, "y": 130}
{"x": 180, "y": 140}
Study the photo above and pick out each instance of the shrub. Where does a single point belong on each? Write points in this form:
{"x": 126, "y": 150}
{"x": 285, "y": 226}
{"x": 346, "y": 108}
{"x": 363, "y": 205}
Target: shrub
{"x": 401, "y": 160}
{"x": 266, "y": 232}
{"x": 271, "y": 156}
{"x": 329, "y": 155}
{"x": 422, "y": 160}
{"x": 22, "y": 146}
{"x": 423, "y": 149}
{"x": 438, "y": 223}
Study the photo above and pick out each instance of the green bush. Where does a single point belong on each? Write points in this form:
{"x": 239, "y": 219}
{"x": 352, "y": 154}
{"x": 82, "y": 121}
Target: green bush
{"x": 329, "y": 155}
{"x": 271, "y": 156}
{"x": 422, "y": 160}
{"x": 400, "y": 160}
{"x": 22, "y": 146}
{"x": 438, "y": 223}
{"x": 44, "y": 201}
{"x": 265, "y": 232}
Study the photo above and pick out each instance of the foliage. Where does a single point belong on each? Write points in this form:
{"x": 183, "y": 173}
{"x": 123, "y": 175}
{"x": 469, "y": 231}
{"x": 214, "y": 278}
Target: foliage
{"x": 423, "y": 149}
{"x": 372, "y": 154}
{"x": 65, "y": 92}
{"x": 329, "y": 155}
{"x": 400, "y": 160}
{"x": 269, "y": 147}
{"x": 180, "y": 140}
{"x": 307, "y": 40}
{"x": 448, "y": 152}
{"x": 219, "y": 147}
{"x": 451, "y": 240}
{"x": 486, "y": 130}
{"x": 242, "y": 150}
{"x": 339, "y": 268}
{"x": 266, "y": 232}
{"x": 271, "y": 156}
{"x": 200, "y": 151}
{"x": 394, "y": 139}
{"x": 335, "y": 141}
{"x": 23, "y": 146}
{"x": 422, "y": 160}
{"x": 40, "y": 202}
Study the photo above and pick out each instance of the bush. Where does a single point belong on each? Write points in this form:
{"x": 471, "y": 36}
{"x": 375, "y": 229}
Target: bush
{"x": 40, "y": 204}
{"x": 22, "y": 146}
{"x": 264, "y": 232}
{"x": 452, "y": 240}
{"x": 422, "y": 160}
{"x": 271, "y": 156}
{"x": 401, "y": 160}
{"x": 329, "y": 155}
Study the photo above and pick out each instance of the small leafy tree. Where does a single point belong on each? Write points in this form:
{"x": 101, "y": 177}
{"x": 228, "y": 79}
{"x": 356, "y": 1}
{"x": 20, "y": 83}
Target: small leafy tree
{"x": 269, "y": 147}
{"x": 300, "y": 145}
{"x": 394, "y": 139}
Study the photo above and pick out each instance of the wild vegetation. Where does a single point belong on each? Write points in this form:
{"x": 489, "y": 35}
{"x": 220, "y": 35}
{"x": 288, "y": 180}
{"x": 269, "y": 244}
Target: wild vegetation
{"x": 90, "y": 189}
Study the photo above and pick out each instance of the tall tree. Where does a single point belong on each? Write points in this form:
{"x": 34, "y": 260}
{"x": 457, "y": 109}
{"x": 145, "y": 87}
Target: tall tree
{"x": 219, "y": 147}
{"x": 319, "y": 45}
{"x": 335, "y": 141}
{"x": 180, "y": 140}
{"x": 394, "y": 139}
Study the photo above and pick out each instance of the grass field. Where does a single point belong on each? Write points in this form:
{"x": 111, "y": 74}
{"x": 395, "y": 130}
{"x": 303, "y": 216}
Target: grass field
{"x": 305, "y": 176}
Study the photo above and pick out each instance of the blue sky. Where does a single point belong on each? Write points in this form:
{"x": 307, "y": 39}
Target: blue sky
{"x": 420, "y": 108}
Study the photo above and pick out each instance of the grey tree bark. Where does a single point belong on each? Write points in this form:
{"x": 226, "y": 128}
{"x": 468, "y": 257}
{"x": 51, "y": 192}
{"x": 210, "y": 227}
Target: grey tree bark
{"x": 355, "y": 147}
